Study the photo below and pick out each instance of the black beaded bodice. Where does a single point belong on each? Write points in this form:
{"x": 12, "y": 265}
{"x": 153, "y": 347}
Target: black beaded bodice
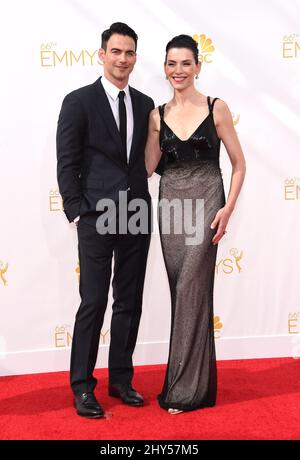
{"x": 203, "y": 144}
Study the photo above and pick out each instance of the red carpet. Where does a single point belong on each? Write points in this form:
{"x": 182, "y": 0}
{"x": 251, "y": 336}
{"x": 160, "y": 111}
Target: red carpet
{"x": 257, "y": 399}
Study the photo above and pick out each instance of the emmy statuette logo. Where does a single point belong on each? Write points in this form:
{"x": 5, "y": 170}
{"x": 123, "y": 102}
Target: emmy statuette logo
{"x": 3, "y": 270}
{"x": 231, "y": 264}
{"x": 235, "y": 118}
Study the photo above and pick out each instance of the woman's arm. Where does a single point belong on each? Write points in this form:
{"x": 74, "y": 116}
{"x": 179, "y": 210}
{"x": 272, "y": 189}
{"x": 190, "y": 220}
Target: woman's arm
{"x": 152, "y": 151}
{"x": 228, "y": 136}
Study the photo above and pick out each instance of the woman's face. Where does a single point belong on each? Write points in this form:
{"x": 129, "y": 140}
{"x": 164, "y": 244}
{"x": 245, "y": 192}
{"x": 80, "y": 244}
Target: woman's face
{"x": 181, "y": 68}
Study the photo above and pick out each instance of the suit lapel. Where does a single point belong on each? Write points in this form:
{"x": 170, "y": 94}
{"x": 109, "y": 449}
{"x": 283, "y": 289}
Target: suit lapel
{"x": 104, "y": 109}
{"x": 137, "y": 117}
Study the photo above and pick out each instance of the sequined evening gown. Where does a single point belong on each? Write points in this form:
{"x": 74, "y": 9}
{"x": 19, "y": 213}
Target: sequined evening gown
{"x": 190, "y": 171}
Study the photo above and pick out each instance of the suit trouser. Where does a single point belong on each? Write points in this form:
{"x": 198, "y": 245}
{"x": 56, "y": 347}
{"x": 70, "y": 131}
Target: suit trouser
{"x": 95, "y": 259}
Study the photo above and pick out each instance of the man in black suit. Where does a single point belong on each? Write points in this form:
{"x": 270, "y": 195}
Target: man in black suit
{"x": 101, "y": 136}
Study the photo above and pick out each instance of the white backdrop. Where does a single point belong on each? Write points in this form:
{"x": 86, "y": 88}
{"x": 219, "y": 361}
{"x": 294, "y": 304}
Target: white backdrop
{"x": 49, "y": 48}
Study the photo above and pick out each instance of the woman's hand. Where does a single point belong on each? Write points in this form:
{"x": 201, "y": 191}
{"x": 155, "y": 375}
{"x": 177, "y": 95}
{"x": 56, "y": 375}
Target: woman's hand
{"x": 220, "y": 221}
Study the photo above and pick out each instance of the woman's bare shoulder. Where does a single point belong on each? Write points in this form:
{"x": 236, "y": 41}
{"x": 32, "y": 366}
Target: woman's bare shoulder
{"x": 154, "y": 119}
{"x": 220, "y": 105}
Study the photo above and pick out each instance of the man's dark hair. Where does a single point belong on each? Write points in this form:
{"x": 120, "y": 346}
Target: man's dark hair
{"x": 118, "y": 28}
{"x": 183, "y": 41}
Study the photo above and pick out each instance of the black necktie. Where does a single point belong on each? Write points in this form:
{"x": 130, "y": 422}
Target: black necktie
{"x": 123, "y": 123}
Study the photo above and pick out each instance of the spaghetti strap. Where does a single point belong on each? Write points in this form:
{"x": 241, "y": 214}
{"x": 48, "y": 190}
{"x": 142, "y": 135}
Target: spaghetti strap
{"x": 161, "y": 109}
{"x": 211, "y": 105}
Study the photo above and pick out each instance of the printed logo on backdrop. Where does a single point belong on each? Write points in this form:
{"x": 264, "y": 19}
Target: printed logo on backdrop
{"x": 55, "y": 201}
{"x": 235, "y": 118}
{"x": 3, "y": 271}
{"x": 77, "y": 271}
{"x": 292, "y": 188}
{"x": 294, "y": 322}
{"x": 217, "y": 327}
{"x": 206, "y": 48}
{"x": 291, "y": 46}
{"x": 63, "y": 336}
{"x": 231, "y": 264}
{"x": 51, "y": 56}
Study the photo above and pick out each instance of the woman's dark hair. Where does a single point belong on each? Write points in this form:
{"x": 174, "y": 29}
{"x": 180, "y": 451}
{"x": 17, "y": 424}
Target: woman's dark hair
{"x": 118, "y": 28}
{"x": 183, "y": 41}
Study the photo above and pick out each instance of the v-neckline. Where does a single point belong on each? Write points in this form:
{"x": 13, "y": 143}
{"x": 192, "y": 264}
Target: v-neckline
{"x": 185, "y": 140}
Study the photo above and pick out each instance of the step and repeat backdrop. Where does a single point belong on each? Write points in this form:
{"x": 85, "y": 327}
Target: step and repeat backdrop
{"x": 250, "y": 54}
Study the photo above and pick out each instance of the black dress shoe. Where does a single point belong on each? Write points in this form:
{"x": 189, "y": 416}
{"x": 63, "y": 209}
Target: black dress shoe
{"x": 126, "y": 393}
{"x": 87, "y": 406}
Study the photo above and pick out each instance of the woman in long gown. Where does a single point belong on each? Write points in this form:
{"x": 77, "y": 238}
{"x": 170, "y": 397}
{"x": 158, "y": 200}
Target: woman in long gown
{"x": 184, "y": 141}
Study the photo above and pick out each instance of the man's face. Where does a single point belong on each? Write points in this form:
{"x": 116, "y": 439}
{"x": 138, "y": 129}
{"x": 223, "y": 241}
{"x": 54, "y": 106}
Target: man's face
{"x": 118, "y": 59}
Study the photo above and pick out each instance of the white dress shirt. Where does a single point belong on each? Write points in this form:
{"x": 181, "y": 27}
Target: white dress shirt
{"x": 112, "y": 93}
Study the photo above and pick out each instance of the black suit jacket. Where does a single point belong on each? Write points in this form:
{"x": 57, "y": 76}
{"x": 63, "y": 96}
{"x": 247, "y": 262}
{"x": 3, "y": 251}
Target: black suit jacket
{"x": 90, "y": 165}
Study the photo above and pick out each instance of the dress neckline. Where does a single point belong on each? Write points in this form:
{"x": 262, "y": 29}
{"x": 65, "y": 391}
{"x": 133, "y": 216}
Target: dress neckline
{"x": 193, "y": 133}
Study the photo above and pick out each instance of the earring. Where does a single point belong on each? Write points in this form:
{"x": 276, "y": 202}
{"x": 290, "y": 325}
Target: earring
{"x": 196, "y": 76}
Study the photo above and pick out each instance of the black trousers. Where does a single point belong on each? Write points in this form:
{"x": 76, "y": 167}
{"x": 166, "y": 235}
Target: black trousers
{"x": 95, "y": 259}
